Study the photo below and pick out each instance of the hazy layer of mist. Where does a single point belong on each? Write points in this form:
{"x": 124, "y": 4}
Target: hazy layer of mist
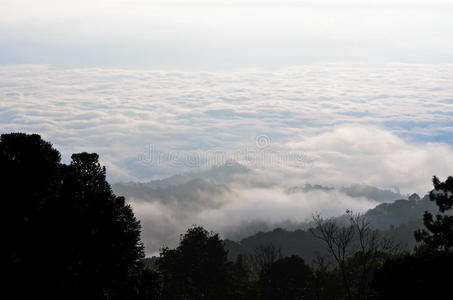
{"x": 230, "y": 200}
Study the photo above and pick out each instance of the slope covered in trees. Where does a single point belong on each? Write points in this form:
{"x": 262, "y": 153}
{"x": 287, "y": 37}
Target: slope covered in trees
{"x": 396, "y": 220}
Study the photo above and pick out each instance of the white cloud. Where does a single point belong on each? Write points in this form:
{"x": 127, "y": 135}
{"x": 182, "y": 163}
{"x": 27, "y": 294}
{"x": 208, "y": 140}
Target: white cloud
{"x": 163, "y": 221}
{"x": 376, "y": 124}
{"x": 377, "y": 157}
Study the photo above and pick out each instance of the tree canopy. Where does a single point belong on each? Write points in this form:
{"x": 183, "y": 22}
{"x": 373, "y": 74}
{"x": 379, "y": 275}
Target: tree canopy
{"x": 197, "y": 269}
{"x": 425, "y": 273}
{"x": 67, "y": 234}
{"x": 438, "y": 234}
{"x": 287, "y": 278}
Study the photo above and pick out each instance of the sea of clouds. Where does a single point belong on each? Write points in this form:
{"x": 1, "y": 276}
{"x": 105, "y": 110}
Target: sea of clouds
{"x": 386, "y": 125}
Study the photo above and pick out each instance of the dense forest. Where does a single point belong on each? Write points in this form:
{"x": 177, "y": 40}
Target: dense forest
{"x": 68, "y": 236}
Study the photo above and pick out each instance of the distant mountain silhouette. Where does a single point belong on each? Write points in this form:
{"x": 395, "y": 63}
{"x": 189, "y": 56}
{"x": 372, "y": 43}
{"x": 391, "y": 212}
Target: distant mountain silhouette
{"x": 192, "y": 193}
{"x": 222, "y": 174}
{"x": 354, "y": 190}
{"x": 397, "y": 220}
{"x": 304, "y": 244}
{"x": 400, "y": 211}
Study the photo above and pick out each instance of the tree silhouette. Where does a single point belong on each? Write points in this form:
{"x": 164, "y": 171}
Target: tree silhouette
{"x": 263, "y": 257}
{"x": 287, "y": 278}
{"x": 29, "y": 172}
{"x": 426, "y": 273}
{"x": 245, "y": 285}
{"x": 101, "y": 224}
{"x": 423, "y": 275}
{"x": 438, "y": 234}
{"x": 66, "y": 234}
{"x": 197, "y": 269}
{"x": 356, "y": 249}
{"x": 338, "y": 241}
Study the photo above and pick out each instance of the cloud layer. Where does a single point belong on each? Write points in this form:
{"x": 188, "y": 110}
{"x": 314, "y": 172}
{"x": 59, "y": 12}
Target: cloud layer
{"x": 388, "y": 126}
{"x": 379, "y": 125}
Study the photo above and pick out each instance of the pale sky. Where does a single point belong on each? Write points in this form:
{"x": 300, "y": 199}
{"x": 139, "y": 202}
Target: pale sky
{"x": 224, "y": 34}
